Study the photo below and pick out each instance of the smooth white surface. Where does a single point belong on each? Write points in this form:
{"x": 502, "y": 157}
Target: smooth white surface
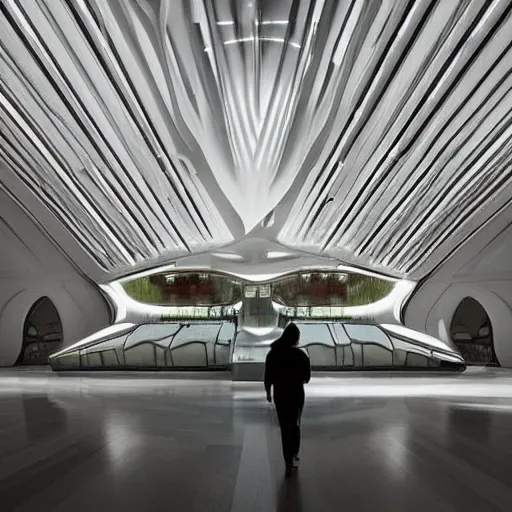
{"x": 31, "y": 267}
{"x": 148, "y": 144}
{"x": 481, "y": 269}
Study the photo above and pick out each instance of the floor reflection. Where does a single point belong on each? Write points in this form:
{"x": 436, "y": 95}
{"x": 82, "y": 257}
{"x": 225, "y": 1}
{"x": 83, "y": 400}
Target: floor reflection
{"x": 476, "y": 424}
{"x": 289, "y": 495}
{"x": 43, "y": 417}
{"x": 112, "y": 443}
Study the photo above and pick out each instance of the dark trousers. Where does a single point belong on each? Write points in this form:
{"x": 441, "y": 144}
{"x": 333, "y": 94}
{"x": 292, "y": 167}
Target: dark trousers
{"x": 289, "y": 405}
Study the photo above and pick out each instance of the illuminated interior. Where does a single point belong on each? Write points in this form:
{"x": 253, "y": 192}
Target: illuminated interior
{"x": 304, "y": 289}
{"x": 254, "y": 143}
{"x": 182, "y": 179}
{"x": 207, "y": 320}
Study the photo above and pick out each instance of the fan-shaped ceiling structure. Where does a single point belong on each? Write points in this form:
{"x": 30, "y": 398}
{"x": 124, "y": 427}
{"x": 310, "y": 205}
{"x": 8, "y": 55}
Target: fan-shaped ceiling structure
{"x": 377, "y": 132}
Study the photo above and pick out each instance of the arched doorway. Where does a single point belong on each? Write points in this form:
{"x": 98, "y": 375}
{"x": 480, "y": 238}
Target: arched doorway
{"x": 42, "y": 333}
{"x": 471, "y": 331}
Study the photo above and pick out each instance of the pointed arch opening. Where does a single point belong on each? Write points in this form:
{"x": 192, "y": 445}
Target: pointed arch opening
{"x": 42, "y": 333}
{"x": 471, "y": 331}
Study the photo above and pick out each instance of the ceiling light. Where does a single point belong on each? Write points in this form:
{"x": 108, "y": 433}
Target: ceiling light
{"x": 228, "y": 256}
{"x": 265, "y": 39}
{"x": 275, "y": 255}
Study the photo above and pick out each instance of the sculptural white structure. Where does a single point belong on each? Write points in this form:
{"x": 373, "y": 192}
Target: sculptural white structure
{"x": 372, "y": 135}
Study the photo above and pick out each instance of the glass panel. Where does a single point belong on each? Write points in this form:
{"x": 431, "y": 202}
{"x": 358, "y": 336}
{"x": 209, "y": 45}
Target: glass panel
{"x": 348, "y": 356}
{"x": 226, "y": 334}
{"x": 221, "y": 355}
{"x": 94, "y": 360}
{"x": 265, "y": 291}
{"x": 377, "y": 356}
{"x": 250, "y": 292}
{"x": 340, "y": 355}
{"x": 141, "y": 355}
{"x": 329, "y": 289}
{"x": 368, "y": 333}
{"x": 315, "y": 333}
{"x": 160, "y": 357}
{"x": 193, "y": 355}
{"x": 185, "y": 289}
{"x": 366, "y": 289}
{"x": 157, "y": 333}
{"x": 110, "y": 358}
{"x": 312, "y": 289}
{"x": 321, "y": 355}
{"x": 69, "y": 360}
{"x": 400, "y": 356}
{"x": 340, "y": 335}
{"x": 357, "y": 350}
{"x": 416, "y": 360}
{"x": 206, "y": 333}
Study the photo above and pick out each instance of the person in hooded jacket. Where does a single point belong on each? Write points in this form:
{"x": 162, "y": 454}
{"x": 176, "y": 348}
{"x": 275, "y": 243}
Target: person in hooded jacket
{"x": 287, "y": 369}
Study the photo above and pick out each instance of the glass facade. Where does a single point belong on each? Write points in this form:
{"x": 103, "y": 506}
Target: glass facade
{"x": 303, "y": 293}
{"x": 185, "y": 289}
{"x": 206, "y": 344}
{"x": 171, "y": 345}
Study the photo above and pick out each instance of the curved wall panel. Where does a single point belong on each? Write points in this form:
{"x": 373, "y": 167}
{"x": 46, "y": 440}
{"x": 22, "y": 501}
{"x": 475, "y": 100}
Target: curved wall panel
{"x": 32, "y": 267}
{"x": 480, "y": 269}
{"x": 433, "y": 308}
{"x": 80, "y": 308}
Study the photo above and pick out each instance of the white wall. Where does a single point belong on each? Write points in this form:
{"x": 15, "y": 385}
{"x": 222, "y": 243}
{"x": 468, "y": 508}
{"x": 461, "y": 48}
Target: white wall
{"x": 481, "y": 269}
{"x": 32, "y": 267}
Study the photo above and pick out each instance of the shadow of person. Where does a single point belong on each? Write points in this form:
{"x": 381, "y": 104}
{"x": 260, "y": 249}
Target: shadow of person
{"x": 289, "y": 496}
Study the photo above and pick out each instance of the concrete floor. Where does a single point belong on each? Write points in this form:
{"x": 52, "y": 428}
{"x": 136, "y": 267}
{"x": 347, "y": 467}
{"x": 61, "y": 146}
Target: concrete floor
{"x": 184, "y": 442}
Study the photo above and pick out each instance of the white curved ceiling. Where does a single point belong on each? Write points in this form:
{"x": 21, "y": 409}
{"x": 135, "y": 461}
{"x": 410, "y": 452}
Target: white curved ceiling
{"x": 377, "y": 132}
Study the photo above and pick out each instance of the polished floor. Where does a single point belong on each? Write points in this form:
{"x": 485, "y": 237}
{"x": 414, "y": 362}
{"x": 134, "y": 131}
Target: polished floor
{"x": 185, "y": 442}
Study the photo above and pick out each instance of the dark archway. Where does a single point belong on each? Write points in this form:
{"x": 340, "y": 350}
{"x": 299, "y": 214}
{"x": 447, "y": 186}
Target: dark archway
{"x": 42, "y": 333}
{"x": 471, "y": 331}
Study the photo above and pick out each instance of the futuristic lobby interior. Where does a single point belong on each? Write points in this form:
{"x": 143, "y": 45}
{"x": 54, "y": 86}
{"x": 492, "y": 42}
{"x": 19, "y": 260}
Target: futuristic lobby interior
{"x": 181, "y": 179}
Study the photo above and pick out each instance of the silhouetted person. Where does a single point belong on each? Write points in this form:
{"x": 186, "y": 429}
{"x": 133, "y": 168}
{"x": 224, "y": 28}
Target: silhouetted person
{"x": 287, "y": 368}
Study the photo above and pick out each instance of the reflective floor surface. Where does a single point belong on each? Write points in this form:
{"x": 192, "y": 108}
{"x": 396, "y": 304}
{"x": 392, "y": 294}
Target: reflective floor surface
{"x": 185, "y": 442}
